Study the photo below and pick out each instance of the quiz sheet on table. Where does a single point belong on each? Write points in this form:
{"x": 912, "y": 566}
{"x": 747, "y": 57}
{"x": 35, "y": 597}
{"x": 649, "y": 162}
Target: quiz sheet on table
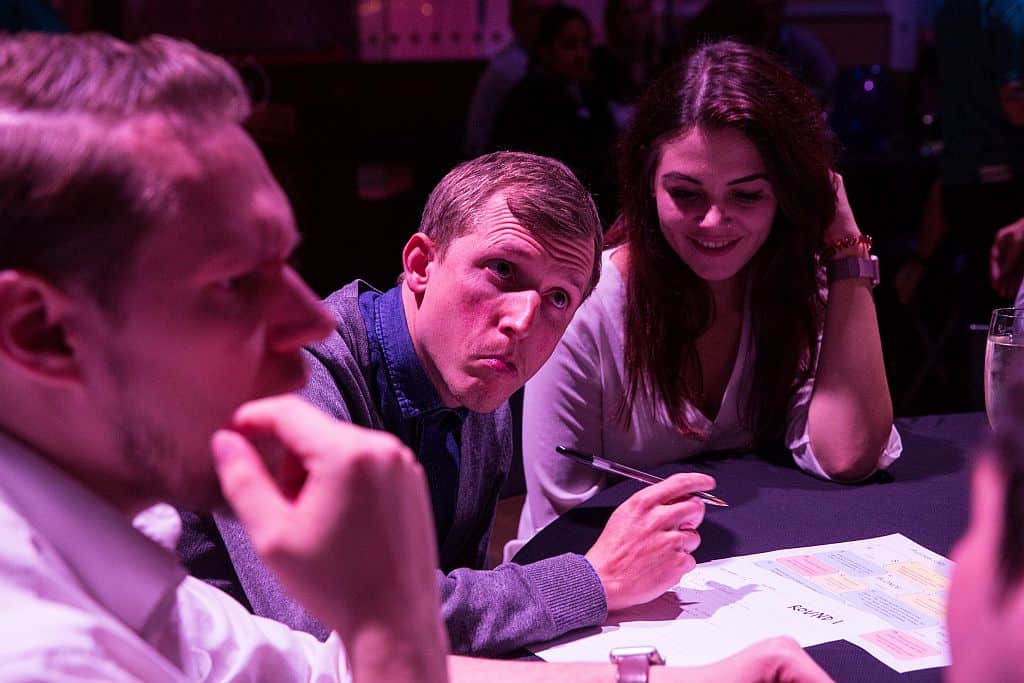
{"x": 886, "y": 595}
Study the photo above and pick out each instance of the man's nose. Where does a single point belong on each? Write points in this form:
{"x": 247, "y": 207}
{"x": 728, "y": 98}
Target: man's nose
{"x": 520, "y": 310}
{"x": 300, "y": 318}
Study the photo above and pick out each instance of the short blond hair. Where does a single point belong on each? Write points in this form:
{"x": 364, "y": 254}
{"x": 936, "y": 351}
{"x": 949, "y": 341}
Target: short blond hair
{"x": 542, "y": 193}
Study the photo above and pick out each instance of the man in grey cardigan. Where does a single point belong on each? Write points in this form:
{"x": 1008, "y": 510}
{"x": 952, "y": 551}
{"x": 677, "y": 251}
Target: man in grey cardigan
{"x": 508, "y": 248}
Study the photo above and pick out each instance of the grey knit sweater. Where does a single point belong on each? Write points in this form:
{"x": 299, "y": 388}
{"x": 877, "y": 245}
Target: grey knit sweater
{"x": 487, "y": 612}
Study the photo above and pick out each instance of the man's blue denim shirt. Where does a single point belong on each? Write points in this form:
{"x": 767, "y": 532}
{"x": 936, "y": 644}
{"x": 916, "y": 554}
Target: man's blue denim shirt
{"x": 409, "y": 405}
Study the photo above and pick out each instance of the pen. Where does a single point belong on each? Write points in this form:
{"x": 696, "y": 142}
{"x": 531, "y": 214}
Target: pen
{"x": 615, "y": 468}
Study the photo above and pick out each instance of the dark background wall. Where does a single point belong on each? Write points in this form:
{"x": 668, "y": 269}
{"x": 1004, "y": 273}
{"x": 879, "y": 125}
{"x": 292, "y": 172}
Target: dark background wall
{"x": 360, "y": 109}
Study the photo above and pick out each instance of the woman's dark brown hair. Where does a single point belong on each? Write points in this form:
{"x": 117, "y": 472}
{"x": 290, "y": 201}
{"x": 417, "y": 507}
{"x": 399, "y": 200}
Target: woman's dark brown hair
{"x": 726, "y": 85}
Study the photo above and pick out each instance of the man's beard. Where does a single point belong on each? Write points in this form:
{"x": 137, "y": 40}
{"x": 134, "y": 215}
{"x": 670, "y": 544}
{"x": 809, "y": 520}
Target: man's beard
{"x": 158, "y": 470}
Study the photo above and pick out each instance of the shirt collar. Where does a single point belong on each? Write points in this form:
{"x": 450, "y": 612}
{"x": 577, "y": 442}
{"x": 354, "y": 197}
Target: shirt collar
{"x": 125, "y": 572}
{"x": 413, "y": 391}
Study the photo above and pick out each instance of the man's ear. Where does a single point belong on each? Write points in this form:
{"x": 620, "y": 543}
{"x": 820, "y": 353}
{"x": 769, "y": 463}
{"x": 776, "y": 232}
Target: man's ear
{"x": 417, "y": 258}
{"x": 32, "y": 334}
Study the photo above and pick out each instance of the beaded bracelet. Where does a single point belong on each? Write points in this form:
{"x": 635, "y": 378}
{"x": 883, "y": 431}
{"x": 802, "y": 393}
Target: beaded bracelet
{"x": 831, "y": 250}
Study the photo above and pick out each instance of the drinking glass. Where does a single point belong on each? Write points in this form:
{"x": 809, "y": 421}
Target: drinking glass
{"x": 1004, "y": 357}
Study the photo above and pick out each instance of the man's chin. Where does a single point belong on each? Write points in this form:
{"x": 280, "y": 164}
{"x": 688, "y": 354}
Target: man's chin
{"x": 484, "y": 401}
{"x": 290, "y": 375}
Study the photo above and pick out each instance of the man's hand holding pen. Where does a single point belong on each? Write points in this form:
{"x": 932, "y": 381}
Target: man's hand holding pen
{"x": 612, "y": 467}
{"x": 647, "y": 543}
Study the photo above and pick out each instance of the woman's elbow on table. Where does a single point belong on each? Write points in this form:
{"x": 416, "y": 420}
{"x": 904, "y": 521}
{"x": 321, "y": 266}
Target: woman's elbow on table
{"x": 851, "y": 471}
{"x": 853, "y": 458}
{"x": 847, "y": 439}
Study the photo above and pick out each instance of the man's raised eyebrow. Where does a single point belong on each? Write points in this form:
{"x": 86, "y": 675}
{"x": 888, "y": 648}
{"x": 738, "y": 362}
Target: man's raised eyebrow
{"x": 573, "y": 278}
{"x": 577, "y": 282}
{"x": 513, "y": 252}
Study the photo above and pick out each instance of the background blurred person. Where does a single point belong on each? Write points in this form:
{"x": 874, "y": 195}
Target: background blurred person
{"x": 762, "y": 23}
{"x": 557, "y": 111}
{"x": 980, "y": 48}
{"x": 29, "y": 15}
{"x": 968, "y": 246}
{"x": 503, "y": 72}
{"x": 630, "y": 57}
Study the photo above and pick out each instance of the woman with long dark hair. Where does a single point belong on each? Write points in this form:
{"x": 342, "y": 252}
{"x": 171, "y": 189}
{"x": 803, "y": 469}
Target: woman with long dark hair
{"x": 734, "y": 307}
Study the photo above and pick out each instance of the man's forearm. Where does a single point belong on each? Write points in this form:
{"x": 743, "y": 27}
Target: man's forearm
{"x": 473, "y": 670}
{"x": 377, "y": 654}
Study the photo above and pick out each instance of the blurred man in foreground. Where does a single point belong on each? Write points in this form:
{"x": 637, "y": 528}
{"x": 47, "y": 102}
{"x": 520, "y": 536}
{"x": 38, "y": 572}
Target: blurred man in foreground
{"x": 986, "y": 597}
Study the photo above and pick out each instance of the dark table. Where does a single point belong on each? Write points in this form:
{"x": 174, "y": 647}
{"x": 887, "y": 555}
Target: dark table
{"x": 923, "y": 495}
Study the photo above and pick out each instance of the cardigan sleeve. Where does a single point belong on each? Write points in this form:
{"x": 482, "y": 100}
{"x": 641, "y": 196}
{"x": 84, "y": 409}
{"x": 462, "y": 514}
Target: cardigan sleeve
{"x": 499, "y": 610}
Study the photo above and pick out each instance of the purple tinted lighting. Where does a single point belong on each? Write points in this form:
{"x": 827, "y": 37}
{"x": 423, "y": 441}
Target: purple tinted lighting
{"x": 869, "y": 85}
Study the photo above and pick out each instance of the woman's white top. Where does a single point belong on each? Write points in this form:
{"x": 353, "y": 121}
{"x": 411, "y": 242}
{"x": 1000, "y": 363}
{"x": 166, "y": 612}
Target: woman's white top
{"x": 573, "y": 399}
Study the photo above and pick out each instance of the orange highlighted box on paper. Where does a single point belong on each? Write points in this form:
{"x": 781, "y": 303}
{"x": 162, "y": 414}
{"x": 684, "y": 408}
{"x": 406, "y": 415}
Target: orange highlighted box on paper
{"x": 901, "y": 645}
{"x": 929, "y": 603}
{"x": 807, "y": 565}
{"x": 839, "y": 583}
{"x": 920, "y": 574}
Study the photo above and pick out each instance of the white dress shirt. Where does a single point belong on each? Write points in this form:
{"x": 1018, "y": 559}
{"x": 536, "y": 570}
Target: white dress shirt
{"x": 85, "y": 597}
{"x": 574, "y": 398}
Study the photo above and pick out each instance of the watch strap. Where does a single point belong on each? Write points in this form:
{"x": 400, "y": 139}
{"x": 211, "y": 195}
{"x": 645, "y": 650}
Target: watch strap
{"x": 634, "y": 663}
{"x": 854, "y": 267}
{"x": 633, "y": 669}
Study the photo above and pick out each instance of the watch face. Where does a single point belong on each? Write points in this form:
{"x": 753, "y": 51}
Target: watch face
{"x": 632, "y": 651}
{"x": 634, "y": 663}
{"x": 648, "y": 651}
{"x": 854, "y": 267}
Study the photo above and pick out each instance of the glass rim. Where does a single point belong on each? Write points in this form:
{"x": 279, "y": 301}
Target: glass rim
{"x": 1008, "y": 312}
{"x": 1006, "y": 321}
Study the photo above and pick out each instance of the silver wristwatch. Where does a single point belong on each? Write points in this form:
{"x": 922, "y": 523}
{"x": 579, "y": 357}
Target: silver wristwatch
{"x": 634, "y": 663}
{"x": 853, "y": 267}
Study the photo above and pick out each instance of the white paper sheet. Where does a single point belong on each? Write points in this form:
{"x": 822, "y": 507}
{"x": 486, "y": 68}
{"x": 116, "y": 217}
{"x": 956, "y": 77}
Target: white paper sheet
{"x": 886, "y": 595}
